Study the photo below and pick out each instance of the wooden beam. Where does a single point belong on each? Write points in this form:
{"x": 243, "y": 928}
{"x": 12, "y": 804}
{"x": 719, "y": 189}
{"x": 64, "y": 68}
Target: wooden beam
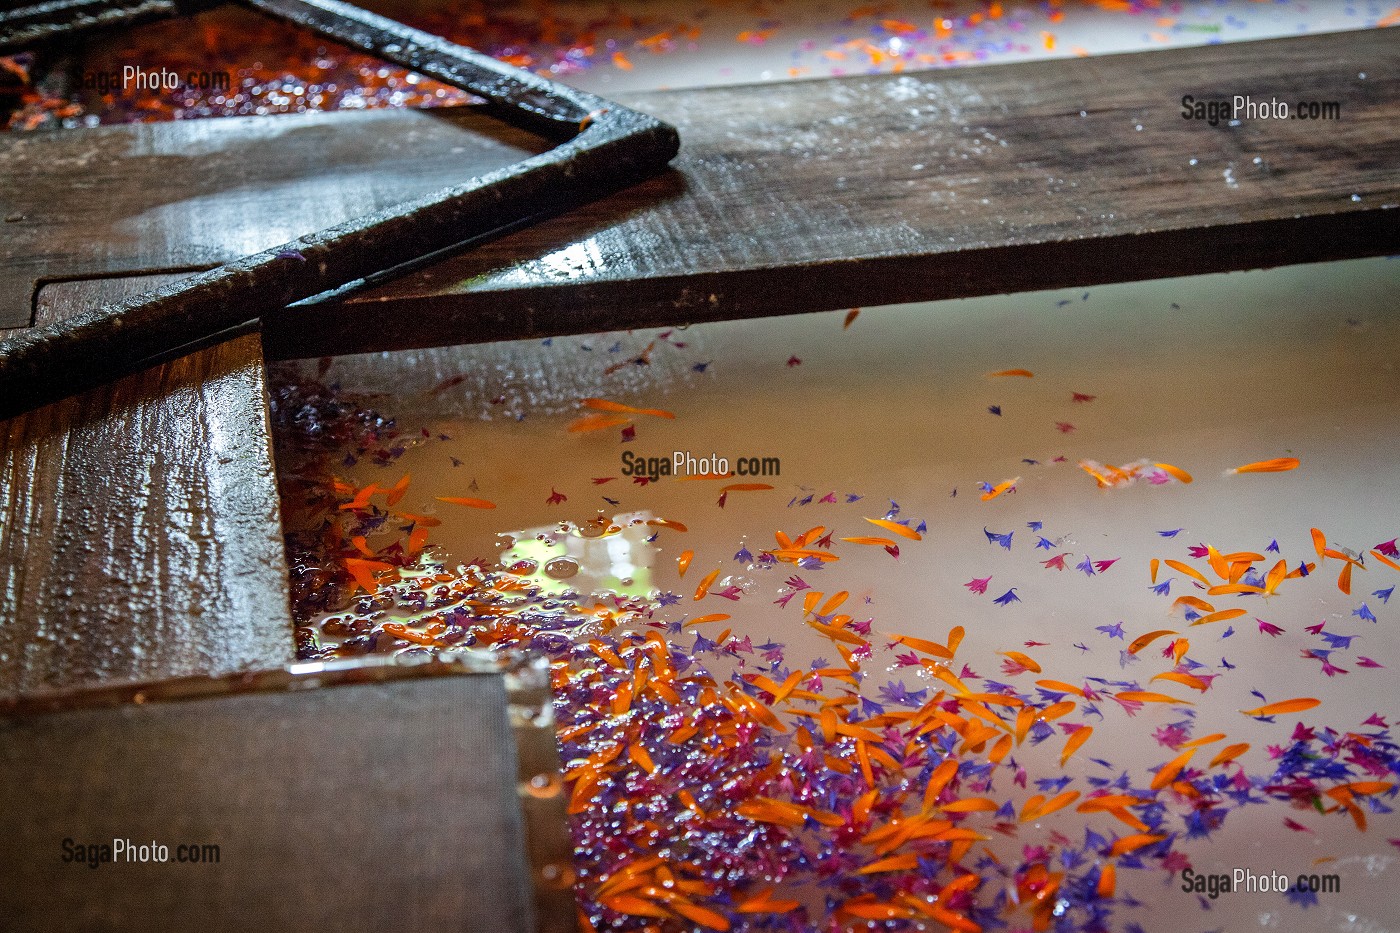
{"x": 814, "y": 195}
{"x": 140, "y": 536}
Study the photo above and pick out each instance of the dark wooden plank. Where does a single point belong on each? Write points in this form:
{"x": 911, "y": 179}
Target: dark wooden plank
{"x": 140, "y": 536}
{"x": 193, "y": 194}
{"x": 369, "y": 806}
{"x": 814, "y": 195}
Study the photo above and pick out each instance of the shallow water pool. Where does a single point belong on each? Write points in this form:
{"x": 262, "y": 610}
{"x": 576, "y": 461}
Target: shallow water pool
{"x": 997, "y": 461}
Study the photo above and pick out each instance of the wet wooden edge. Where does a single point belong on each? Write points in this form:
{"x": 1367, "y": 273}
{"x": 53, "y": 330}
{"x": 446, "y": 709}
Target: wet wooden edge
{"x": 115, "y": 201}
{"x": 140, "y": 532}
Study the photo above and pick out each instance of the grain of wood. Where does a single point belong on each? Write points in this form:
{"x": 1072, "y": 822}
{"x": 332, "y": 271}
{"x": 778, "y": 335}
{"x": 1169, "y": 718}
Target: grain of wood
{"x": 197, "y": 193}
{"x": 788, "y": 197}
{"x": 416, "y": 775}
{"x": 815, "y": 195}
{"x": 139, "y": 528}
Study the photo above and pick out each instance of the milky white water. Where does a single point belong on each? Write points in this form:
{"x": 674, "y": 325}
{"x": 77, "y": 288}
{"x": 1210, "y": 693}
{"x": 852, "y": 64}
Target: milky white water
{"x": 1204, "y": 373}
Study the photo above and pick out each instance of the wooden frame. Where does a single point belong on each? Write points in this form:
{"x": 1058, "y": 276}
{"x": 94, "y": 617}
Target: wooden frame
{"x": 599, "y": 146}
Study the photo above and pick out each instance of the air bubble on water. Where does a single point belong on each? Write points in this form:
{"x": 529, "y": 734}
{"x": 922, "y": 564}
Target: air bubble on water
{"x": 561, "y": 568}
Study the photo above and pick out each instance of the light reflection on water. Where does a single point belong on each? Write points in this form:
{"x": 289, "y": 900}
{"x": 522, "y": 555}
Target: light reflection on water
{"x": 605, "y": 556}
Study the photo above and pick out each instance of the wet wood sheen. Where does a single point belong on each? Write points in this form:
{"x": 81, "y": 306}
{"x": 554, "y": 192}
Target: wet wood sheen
{"x": 787, "y": 197}
{"x": 814, "y": 195}
{"x": 194, "y": 194}
{"x": 139, "y": 528}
